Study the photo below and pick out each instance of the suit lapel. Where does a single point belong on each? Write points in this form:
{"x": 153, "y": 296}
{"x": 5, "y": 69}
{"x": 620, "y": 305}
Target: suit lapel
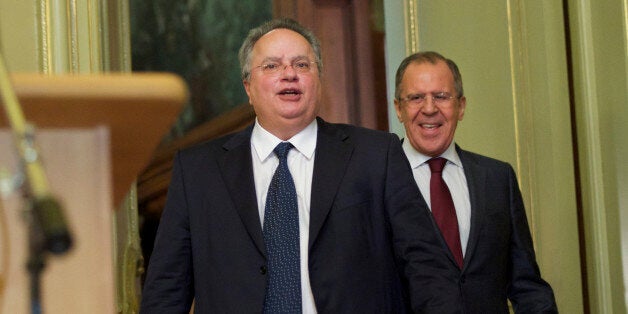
{"x": 237, "y": 172}
{"x": 476, "y": 182}
{"x": 333, "y": 152}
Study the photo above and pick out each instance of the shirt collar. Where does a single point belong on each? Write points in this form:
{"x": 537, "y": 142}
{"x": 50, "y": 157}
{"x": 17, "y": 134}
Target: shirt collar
{"x": 416, "y": 159}
{"x": 264, "y": 142}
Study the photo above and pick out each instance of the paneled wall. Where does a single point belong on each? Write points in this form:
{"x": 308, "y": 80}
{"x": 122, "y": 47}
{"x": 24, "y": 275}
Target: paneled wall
{"x": 599, "y": 45}
{"x": 18, "y": 35}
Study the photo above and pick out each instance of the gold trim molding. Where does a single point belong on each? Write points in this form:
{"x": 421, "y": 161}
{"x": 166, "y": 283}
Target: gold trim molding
{"x": 591, "y": 164}
{"x": 43, "y": 16}
{"x": 69, "y": 37}
{"x": 73, "y": 45}
{"x": 411, "y": 23}
{"x": 523, "y": 117}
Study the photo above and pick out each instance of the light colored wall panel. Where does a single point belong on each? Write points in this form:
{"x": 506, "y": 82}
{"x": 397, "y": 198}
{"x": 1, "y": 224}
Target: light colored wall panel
{"x": 18, "y": 35}
{"x": 476, "y": 37}
{"x": 545, "y": 144}
{"x": 395, "y": 52}
{"x": 52, "y": 36}
{"x": 600, "y": 59}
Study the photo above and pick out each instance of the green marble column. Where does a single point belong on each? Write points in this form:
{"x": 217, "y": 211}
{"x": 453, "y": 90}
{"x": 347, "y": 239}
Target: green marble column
{"x": 198, "y": 40}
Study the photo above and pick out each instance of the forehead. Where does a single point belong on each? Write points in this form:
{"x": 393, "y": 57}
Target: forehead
{"x": 282, "y": 43}
{"x": 426, "y": 75}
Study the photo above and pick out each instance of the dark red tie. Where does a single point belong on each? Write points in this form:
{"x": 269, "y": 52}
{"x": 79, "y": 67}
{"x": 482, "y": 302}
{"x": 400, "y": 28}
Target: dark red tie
{"x": 443, "y": 208}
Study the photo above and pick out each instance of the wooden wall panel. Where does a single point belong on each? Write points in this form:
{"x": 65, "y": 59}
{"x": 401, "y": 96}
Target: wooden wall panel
{"x": 351, "y": 93}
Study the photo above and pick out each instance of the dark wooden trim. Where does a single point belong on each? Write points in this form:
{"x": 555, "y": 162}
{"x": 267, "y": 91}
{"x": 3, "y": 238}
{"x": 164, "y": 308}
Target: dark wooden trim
{"x": 353, "y": 92}
{"x": 152, "y": 183}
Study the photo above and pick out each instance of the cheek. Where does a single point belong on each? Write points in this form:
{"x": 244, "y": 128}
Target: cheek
{"x": 402, "y": 115}
{"x": 409, "y": 116}
{"x": 312, "y": 85}
{"x": 261, "y": 86}
{"x": 262, "y": 91}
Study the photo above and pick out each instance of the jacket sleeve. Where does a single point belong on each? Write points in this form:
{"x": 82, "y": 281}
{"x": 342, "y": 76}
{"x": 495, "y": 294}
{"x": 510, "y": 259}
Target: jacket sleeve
{"x": 169, "y": 283}
{"x": 421, "y": 259}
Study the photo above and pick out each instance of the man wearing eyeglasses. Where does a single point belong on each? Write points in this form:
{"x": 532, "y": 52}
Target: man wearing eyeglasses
{"x": 478, "y": 211}
{"x": 293, "y": 214}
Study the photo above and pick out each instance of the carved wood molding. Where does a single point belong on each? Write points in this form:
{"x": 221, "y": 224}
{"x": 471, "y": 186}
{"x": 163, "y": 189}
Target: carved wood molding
{"x": 152, "y": 183}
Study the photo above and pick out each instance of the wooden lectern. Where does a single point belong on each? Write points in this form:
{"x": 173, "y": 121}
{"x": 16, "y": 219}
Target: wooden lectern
{"x": 95, "y": 134}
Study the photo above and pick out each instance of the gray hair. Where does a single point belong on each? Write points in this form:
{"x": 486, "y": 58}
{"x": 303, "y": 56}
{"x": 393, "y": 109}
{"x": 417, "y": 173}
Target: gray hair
{"x": 244, "y": 55}
{"x": 428, "y": 57}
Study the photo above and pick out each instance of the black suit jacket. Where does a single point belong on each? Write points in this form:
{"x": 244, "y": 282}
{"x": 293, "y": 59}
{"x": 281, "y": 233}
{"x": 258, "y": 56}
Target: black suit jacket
{"x": 209, "y": 246}
{"x": 499, "y": 263}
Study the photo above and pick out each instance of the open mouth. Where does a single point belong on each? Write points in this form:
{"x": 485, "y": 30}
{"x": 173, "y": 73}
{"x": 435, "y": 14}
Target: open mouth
{"x": 430, "y": 126}
{"x": 290, "y": 91}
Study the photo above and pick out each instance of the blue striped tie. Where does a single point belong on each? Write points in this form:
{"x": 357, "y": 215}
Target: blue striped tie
{"x": 281, "y": 237}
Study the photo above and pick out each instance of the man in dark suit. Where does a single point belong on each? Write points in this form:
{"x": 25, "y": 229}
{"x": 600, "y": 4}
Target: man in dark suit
{"x": 361, "y": 222}
{"x": 488, "y": 242}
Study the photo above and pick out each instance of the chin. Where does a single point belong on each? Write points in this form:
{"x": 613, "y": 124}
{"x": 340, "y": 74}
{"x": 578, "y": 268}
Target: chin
{"x": 431, "y": 150}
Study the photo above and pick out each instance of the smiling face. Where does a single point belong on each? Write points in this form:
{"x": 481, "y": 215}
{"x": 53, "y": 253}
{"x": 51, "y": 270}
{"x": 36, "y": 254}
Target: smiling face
{"x": 287, "y": 101}
{"x": 430, "y": 127}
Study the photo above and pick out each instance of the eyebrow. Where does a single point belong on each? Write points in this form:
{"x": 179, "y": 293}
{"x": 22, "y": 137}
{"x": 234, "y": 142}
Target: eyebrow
{"x": 431, "y": 93}
{"x": 277, "y": 59}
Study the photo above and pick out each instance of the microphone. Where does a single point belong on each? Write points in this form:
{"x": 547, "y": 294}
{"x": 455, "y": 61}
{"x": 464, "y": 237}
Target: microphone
{"x": 46, "y": 211}
{"x": 48, "y": 215}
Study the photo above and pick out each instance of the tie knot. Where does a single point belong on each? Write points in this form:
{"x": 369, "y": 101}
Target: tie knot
{"x": 282, "y": 149}
{"x": 437, "y": 164}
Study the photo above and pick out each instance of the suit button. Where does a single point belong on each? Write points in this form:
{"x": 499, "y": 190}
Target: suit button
{"x": 463, "y": 279}
{"x": 263, "y": 270}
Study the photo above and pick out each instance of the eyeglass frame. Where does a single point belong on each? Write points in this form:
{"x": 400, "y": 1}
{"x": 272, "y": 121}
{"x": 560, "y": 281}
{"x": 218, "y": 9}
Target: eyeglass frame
{"x": 266, "y": 71}
{"x": 437, "y": 98}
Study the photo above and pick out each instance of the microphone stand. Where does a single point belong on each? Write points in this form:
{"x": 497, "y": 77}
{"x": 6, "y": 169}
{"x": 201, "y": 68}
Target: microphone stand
{"x": 48, "y": 231}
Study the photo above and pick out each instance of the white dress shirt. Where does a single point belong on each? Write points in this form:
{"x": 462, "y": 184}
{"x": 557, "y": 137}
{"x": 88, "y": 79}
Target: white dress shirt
{"x": 301, "y": 166}
{"x": 454, "y": 177}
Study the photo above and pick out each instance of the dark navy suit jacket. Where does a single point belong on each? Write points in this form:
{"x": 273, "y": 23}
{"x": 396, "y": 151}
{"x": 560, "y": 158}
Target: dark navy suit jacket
{"x": 369, "y": 227}
{"x": 500, "y": 262}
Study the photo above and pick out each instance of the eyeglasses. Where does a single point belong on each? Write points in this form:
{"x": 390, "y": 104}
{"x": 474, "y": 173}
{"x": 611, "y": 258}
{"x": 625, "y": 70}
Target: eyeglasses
{"x": 420, "y": 99}
{"x": 273, "y": 68}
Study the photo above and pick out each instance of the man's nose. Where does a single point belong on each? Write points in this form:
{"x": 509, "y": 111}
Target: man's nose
{"x": 288, "y": 71}
{"x": 429, "y": 107}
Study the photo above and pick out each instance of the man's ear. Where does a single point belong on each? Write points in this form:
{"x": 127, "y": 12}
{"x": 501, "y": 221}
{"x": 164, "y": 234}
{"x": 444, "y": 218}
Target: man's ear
{"x": 398, "y": 110}
{"x": 247, "y": 89}
{"x": 463, "y": 105}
